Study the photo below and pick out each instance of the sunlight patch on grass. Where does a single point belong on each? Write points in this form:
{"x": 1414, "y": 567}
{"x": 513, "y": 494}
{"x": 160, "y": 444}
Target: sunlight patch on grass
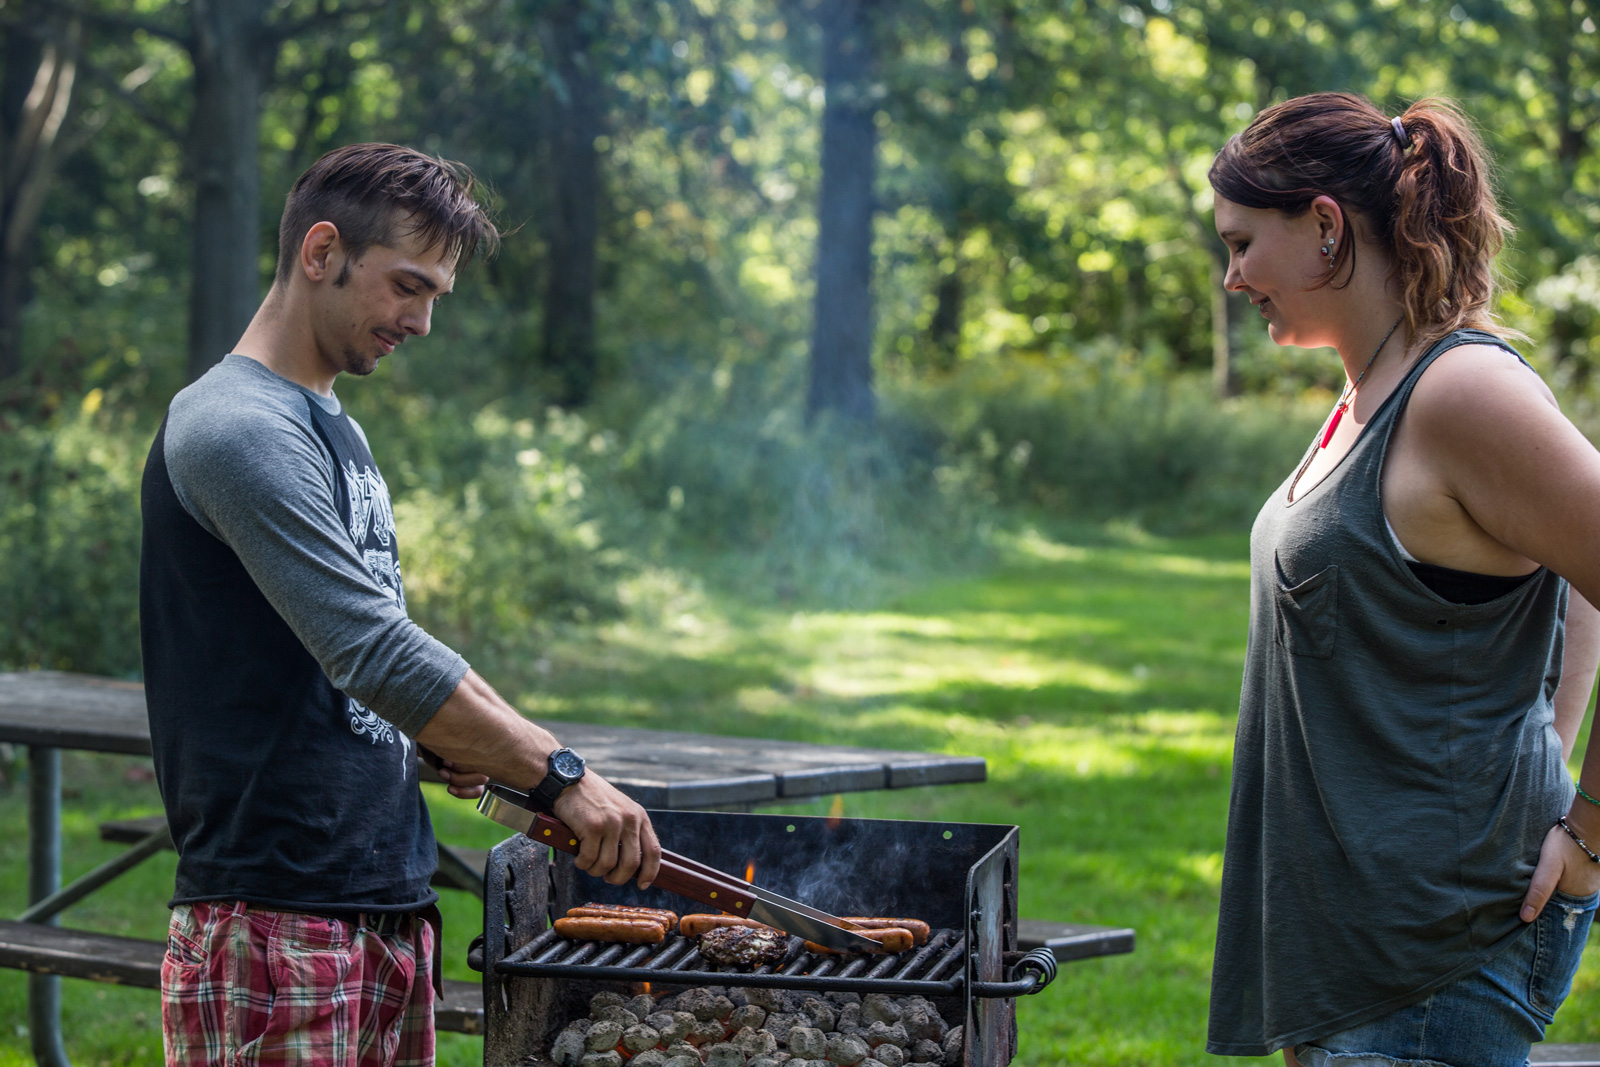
{"x": 1186, "y": 566}
{"x": 1032, "y": 544}
{"x": 1206, "y": 866}
{"x": 886, "y": 675}
{"x": 1125, "y": 746}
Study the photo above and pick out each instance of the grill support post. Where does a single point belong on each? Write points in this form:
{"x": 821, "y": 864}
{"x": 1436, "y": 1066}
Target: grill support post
{"x": 516, "y": 903}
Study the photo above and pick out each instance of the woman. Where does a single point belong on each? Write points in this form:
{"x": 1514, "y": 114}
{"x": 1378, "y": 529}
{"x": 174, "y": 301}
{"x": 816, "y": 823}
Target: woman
{"x": 1397, "y": 885}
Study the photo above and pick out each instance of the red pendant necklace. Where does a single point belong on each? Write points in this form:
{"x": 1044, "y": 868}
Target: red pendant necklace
{"x": 1349, "y": 394}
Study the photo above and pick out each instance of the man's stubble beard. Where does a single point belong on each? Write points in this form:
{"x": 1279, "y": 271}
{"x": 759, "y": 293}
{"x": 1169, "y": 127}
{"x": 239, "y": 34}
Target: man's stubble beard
{"x": 357, "y": 364}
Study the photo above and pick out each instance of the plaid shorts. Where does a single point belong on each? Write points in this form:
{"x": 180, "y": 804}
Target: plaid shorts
{"x": 243, "y": 986}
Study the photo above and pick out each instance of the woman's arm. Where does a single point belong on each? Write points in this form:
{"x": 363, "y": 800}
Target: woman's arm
{"x": 1523, "y": 474}
{"x": 1578, "y": 665}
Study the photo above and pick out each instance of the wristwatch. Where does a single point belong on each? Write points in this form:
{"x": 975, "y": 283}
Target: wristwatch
{"x": 566, "y": 767}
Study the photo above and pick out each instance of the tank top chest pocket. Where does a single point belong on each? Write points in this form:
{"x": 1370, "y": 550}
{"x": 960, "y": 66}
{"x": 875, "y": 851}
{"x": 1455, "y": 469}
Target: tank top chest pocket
{"x": 1307, "y": 616}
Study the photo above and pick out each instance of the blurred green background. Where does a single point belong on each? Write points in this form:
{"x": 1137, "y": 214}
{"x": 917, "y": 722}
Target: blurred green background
{"x": 651, "y": 468}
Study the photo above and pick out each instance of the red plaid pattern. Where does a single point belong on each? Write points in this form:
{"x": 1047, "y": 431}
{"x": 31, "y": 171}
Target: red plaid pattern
{"x": 242, "y": 986}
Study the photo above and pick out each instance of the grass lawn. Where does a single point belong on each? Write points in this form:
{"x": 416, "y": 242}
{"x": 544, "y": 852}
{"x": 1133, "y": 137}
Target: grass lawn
{"x": 1098, "y": 677}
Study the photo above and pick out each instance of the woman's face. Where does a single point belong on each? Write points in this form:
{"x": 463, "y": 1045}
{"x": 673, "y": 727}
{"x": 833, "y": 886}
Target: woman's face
{"x": 1276, "y": 261}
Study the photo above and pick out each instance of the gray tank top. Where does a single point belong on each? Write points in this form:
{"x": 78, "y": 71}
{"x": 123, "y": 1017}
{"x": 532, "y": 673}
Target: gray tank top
{"x": 1396, "y": 766}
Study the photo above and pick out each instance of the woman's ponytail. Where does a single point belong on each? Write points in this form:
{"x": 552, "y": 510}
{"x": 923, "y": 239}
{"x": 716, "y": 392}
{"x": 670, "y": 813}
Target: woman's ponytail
{"x": 1447, "y": 227}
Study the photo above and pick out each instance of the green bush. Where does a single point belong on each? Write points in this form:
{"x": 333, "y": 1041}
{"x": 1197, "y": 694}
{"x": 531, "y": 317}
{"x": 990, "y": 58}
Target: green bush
{"x": 727, "y": 466}
{"x": 69, "y": 542}
{"x": 1096, "y": 438}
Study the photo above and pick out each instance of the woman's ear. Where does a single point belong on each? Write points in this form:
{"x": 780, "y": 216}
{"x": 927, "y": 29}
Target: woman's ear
{"x": 1330, "y": 221}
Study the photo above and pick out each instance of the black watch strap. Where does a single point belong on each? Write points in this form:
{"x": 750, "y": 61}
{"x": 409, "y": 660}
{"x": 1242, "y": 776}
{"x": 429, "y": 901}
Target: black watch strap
{"x": 545, "y": 794}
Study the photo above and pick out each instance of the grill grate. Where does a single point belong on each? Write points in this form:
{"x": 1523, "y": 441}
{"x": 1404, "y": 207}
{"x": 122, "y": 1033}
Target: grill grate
{"x": 675, "y": 961}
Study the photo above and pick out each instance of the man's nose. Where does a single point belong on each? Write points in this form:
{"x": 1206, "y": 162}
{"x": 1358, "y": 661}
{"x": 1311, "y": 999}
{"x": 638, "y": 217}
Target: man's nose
{"x": 419, "y": 322}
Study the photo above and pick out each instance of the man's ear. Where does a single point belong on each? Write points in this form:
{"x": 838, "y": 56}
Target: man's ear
{"x": 319, "y": 250}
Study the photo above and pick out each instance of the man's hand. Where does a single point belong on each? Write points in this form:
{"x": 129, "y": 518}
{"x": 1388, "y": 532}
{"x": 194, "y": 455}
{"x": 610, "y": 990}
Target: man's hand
{"x": 616, "y": 840}
{"x": 464, "y": 784}
{"x": 1563, "y": 866}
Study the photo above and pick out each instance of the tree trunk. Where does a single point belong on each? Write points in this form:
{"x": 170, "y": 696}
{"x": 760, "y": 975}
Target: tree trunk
{"x": 944, "y": 331}
{"x": 35, "y": 96}
{"x": 232, "y": 54}
{"x": 1222, "y": 382}
{"x": 572, "y": 119}
{"x": 841, "y": 338}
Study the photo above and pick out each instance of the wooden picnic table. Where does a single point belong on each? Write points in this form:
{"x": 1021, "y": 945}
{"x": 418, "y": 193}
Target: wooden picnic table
{"x": 49, "y": 711}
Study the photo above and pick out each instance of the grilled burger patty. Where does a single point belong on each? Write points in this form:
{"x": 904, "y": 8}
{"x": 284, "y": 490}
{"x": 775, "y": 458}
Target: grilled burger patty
{"x": 746, "y": 945}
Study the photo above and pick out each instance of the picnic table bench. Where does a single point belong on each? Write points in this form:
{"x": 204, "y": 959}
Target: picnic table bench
{"x": 50, "y": 711}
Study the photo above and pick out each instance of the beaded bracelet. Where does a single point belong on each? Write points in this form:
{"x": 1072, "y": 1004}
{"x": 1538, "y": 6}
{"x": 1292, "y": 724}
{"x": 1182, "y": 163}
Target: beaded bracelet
{"x": 1579, "y": 785}
{"x": 1562, "y": 822}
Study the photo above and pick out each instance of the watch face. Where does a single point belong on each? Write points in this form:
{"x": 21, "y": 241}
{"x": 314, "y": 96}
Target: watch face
{"x": 566, "y": 763}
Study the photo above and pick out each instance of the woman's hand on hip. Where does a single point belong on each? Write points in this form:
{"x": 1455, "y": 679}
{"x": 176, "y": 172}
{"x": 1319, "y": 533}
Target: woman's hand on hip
{"x": 1562, "y": 865}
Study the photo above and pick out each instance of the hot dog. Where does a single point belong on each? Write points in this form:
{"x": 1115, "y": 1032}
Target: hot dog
{"x": 919, "y": 929}
{"x": 668, "y": 917}
{"x": 697, "y": 924}
{"x": 601, "y": 911}
{"x": 892, "y": 939}
{"x": 627, "y": 931}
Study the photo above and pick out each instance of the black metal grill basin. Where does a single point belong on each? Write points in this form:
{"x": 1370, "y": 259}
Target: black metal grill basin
{"x": 960, "y": 878}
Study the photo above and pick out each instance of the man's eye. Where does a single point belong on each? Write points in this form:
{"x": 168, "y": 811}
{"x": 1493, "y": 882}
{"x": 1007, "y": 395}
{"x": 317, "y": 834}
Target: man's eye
{"x": 406, "y": 290}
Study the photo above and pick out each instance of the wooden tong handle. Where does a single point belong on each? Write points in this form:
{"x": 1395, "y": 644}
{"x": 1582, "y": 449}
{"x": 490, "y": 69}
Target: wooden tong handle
{"x": 679, "y": 874}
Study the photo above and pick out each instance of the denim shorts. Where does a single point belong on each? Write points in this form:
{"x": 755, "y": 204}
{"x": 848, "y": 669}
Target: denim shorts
{"x": 1488, "y": 1018}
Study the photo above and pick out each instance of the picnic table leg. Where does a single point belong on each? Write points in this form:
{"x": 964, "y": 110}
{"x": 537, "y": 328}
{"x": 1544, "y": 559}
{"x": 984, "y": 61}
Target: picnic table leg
{"x": 44, "y": 878}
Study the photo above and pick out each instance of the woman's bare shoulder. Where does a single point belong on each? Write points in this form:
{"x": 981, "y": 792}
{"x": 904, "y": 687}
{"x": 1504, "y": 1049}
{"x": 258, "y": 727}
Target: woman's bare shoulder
{"x": 1479, "y": 381}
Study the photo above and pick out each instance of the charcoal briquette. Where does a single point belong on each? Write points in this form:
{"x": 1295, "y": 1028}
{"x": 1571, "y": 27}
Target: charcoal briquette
{"x": 762, "y": 997}
{"x": 888, "y": 1055}
{"x": 605, "y": 1000}
{"x": 603, "y": 1035}
{"x": 849, "y": 1019}
{"x": 925, "y": 1051}
{"x": 847, "y": 1050}
{"x": 653, "y": 1057}
{"x": 953, "y": 1042}
{"x": 879, "y": 1007}
{"x": 710, "y": 1032}
{"x": 602, "y": 1059}
{"x": 698, "y": 1002}
{"x": 807, "y": 1042}
{"x": 821, "y": 1013}
{"x": 643, "y": 1005}
{"x": 750, "y": 1015}
{"x": 616, "y": 1013}
{"x": 880, "y": 1033}
{"x": 724, "y": 1055}
{"x": 721, "y": 1007}
{"x": 753, "y": 1042}
{"x": 683, "y": 1060}
{"x": 639, "y": 1037}
{"x": 568, "y": 1049}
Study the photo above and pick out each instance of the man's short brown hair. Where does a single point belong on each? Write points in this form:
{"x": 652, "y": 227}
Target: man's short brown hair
{"x": 379, "y": 193}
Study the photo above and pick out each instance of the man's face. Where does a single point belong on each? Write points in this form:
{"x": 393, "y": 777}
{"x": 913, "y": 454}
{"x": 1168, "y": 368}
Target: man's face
{"x": 371, "y": 305}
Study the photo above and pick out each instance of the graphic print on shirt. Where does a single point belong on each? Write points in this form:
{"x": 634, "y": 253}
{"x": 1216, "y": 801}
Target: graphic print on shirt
{"x": 372, "y": 513}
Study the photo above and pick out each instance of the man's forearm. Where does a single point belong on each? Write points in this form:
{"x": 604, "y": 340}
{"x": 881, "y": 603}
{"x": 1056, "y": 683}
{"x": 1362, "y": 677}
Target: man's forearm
{"x": 476, "y": 730}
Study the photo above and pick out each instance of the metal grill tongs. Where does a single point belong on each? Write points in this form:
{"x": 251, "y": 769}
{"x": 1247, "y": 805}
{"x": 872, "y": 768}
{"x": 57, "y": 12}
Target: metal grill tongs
{"x": 687, "y": 878}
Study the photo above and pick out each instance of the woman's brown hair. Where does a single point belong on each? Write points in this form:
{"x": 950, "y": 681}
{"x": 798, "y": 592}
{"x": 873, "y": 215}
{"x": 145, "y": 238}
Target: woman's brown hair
{"x": 1424, "y": 190}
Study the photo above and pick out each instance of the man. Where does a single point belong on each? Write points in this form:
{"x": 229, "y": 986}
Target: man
{"x": 288, "y": 691}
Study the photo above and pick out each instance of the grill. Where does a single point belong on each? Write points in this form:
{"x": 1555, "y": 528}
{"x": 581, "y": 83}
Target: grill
{"x": 960, "y": 878}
